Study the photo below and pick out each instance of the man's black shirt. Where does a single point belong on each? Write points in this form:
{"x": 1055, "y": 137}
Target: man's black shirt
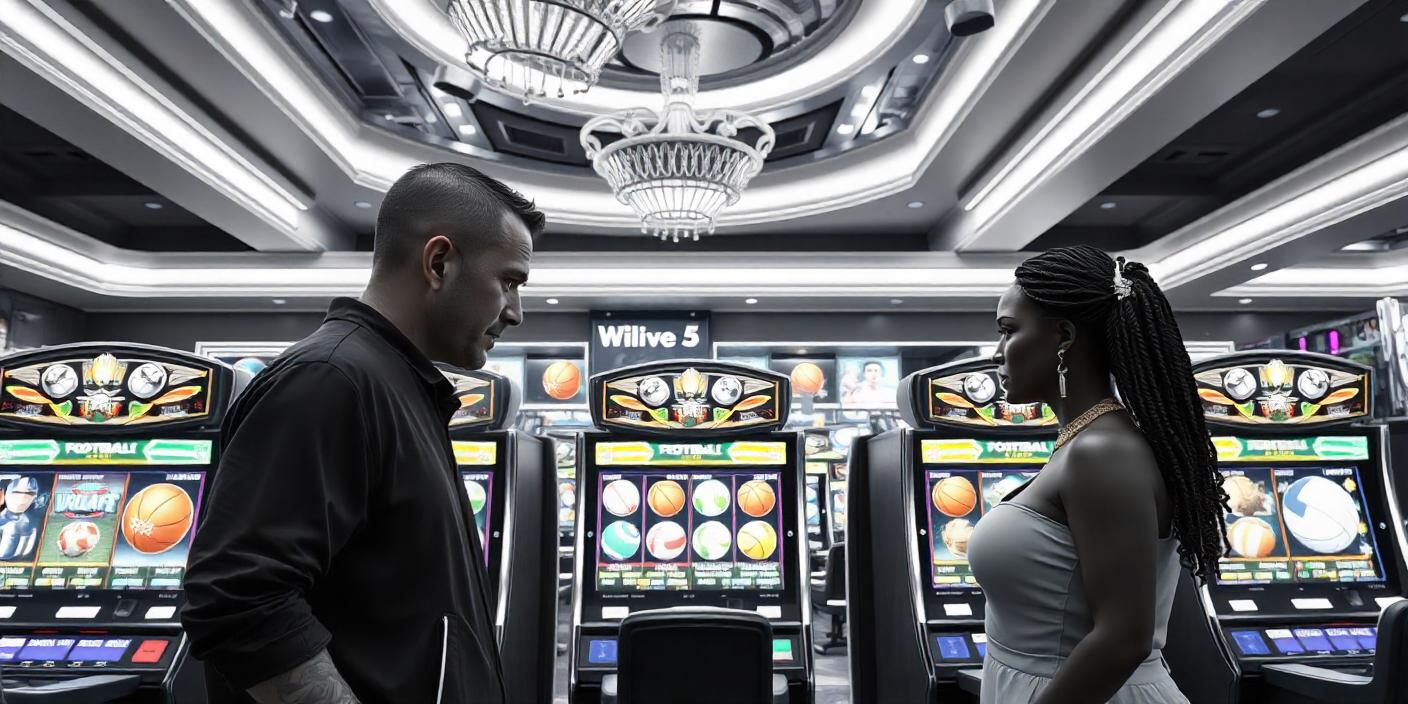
{"x": 337, "y": 520}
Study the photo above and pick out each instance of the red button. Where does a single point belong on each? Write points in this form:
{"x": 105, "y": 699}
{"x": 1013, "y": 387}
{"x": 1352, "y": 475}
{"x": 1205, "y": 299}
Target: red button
{"x": 149, "y": 651}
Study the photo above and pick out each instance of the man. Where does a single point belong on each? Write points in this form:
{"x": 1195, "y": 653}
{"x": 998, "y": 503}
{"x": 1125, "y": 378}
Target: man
{"x": 336, "y": 561}
{"x": 869, "y": 393}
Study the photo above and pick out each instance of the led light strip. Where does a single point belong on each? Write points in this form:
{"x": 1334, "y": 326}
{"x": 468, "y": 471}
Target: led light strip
{"x": 42, "y": 40}
{"x": 1170, "y": 42}
{"x": 1356, "y": 282}
{"x": 375, "y": 160}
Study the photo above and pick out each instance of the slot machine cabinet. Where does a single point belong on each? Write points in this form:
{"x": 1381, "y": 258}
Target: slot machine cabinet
{"x": 511, "y": 483}
{"x": 106, "y": 452}
{"x": 1317, "y": 544}
{"x": 689, "y": 494}
{"x": 914, "y": 609}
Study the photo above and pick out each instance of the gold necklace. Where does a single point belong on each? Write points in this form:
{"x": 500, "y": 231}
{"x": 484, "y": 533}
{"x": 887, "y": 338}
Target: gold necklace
{"x": 1074, "y": 427}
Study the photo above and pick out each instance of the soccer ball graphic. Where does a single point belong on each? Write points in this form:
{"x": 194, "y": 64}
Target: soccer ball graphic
{"x": 77, "y": 538}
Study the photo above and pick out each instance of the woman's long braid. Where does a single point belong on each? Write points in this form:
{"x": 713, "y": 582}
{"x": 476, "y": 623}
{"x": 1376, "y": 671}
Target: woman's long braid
{"x": 1155, "y": 380}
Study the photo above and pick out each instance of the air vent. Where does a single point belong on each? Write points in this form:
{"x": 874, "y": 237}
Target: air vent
{"x": 535, "y": 141}
{"x": 512, "y": 133}
{"x": 1193, "y": 156}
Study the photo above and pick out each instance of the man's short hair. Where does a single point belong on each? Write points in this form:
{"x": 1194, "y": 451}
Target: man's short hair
{"x": 448, "y": 199}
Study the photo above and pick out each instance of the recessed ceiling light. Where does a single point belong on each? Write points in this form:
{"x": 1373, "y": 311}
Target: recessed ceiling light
{"x": 896, "y": 301}
{"x": 153, "y": 205}
{"x": 1268, "y": 113}
{"x": 1403, "y": 18}
{"x": 750, "y": 301}
{"x": 921, "y": 59}
{"x": 389, "y": 117}
{"x": 845, "y": 128}
{"x": 551, "y": 301}
{"x": 452, "y": 110}
{"x": 869, "y": 92}
{"x": 1108, "y": 205}
{"x": 362, "y": 204}
{"x": 1260, "y": 266}
{"x": 915, "y": 204}
{"x": 278, "y": 301}
{"x": 468, "y": 130}
{"x": 431, "y": 118}
{"x": 1244, "y": 301}
{"x": 321, "y": 16}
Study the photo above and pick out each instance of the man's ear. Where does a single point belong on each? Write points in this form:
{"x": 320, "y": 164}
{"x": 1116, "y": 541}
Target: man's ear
{"x": 433, "y": 257}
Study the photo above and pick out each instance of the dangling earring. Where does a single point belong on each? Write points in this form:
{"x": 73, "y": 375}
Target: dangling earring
{"x": 1061, "y": 371}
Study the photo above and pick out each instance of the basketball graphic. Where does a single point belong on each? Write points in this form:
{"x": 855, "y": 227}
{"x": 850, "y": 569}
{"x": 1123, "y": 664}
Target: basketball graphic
{"x": 620, "y": 540}
{"x": 477, "y": 496}
{"x": 756, "y": 498}
{"x": 1245, "y": 497}
{"x": 757, "y": 540}
{"x": 665, "y": 541}
{"x": 1320, "y": 514}
{"x": 561, "y": 380}
{"x": 712, "y": 541}
{"x": 807, "y": 378}
{"x": 157, "y": 518}
{"x": 1251, "y": 537}
{"x": 77, "y": 538}
{"x": 954, "y": 497}
{"x": 955, "y": 536}
{"x": 711, "y": 497}
{"x": 621, "y": 497}
{"x": 666, "y": 498}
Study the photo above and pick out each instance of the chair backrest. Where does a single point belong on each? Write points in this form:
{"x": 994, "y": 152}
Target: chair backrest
{"x": 1391, "y": 652}
{"x": 1194, "y": 650}
{"x": 836, "y": 572}
{"x": 695, "y": 655}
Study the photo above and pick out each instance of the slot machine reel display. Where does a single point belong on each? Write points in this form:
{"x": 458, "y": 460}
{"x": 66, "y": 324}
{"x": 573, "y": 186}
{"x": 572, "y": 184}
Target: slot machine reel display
{"x": 689, "y": 496}
{"x": 1316, "y": 544}
{"x": 105, "y": 456}
{"x": 512, "y": 495}
{"x": 915, "y": 497}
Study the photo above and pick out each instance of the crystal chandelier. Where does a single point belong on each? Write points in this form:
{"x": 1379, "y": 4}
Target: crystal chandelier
{"x": 536, "y": 48}
{"x": 679, "y": 168}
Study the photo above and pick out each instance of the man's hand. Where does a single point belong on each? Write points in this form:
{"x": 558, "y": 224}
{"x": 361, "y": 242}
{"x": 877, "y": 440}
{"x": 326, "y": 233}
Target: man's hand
{"x": 314, "y": 682}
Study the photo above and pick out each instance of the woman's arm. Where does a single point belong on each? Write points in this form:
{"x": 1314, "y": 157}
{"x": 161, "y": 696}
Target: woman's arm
{"x": 1109, "y": 486}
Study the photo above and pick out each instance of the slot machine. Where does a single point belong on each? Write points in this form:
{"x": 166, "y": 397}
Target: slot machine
{"x": 106, "y": 451}
{"x": 816, "y": 495}
{"x": 914, "y": 608}
{"x": 1316, "y": 540}
{"x": 689, "y": 494}
{"x": 512, "y": 487}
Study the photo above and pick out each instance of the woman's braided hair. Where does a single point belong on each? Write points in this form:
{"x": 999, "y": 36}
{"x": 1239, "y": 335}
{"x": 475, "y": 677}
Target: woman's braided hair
{"x": 1155, "y": 380}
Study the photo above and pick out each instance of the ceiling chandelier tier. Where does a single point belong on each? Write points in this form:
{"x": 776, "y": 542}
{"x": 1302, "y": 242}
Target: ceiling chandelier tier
{"x": 677, "y": 169}
{"x": 538, "y": 48}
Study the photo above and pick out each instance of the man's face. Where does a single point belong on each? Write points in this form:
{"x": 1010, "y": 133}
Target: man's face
{"x": 872, "y": 374}
{"x": 479, "y": 297}
{"x": 18, "y": 501}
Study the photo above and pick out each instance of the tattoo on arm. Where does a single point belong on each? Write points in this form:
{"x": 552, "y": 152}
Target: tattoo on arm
{"x": 314, "y": 682}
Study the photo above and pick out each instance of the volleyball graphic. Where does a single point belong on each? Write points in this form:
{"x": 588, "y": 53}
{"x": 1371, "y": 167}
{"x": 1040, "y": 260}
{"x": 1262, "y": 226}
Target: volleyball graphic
{"x": 711, "y": 497}
{"x": 477, "y": 496}
{"x": 666, "y": 498}
{"x": 954, "y": 496}
{"x": 157, "y": 518}
{"x": 807, "y": 378}
{"x": 712, "y": 541}
{"x": 621, "y": 497}
{"x": 1251, "y": 537}
{"x": 955, "y": 536}
{"x": 561, "y": 380}
{"x": 756, "y": 498}
{"x": 1320, "y": 514}
{"x": 620, "y": 540}
{"x": 757, "y": 540}
{"x": 77, "y": 538}
{"x": 1245, "y": 497}
{"x": 665, "y": 541}
{"x": 253, "y": 365}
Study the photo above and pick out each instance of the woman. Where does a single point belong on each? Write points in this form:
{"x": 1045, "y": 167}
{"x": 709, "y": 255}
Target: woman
{"x": 1080, "y": 564}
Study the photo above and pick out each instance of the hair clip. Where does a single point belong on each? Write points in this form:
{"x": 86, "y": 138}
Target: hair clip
{"x": 1122, "y": 285}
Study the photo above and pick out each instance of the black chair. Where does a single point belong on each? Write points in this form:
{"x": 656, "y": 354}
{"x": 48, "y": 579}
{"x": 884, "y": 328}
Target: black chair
{"x": 829, "y": 597}
{"x": 1388, "y": 684}
{"x": 726, "y": 656}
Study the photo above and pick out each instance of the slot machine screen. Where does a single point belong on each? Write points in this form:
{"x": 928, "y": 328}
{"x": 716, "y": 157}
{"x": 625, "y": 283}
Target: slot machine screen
{"x": 115, "y": 515}
{"x": 689, "y": 517}
{"x": 477, "y": 460}
{"x": 960, "y": 480}
{"x": 814, "y": 506}
{"x": 1302, "y": 524}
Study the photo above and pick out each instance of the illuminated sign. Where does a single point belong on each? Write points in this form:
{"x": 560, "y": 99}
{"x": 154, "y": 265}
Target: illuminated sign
{"x": 690, "y": 454}
{"x": 1324, "y": 447}
{"x": 973, "y": 451}
{"x": 127, "y": 452}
